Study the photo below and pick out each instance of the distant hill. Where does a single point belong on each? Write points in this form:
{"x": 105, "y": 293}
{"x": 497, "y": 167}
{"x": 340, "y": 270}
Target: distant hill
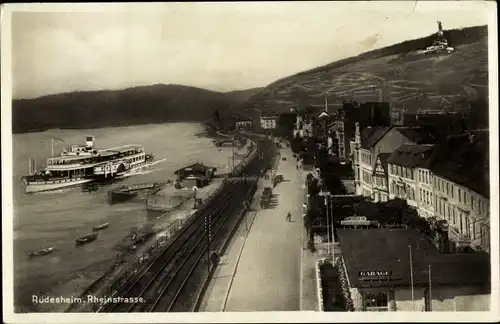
{"x": 139, "y": 105}
{"x": 241, "y": 96}
{"x": 390, "y": 74}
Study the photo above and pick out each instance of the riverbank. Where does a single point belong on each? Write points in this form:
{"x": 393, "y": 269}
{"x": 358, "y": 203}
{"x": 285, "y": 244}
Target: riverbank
{"x": 57, "y": 218}
{"x": 107, "y": 271}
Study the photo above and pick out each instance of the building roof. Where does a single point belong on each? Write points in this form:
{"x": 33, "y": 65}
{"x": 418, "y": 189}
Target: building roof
{"x": 419, "y": 135}
{"x": 196, "y": 167}
{"x": 371, "y": 135}
{"x": 413, "y": 155}
{"x": 388, "y": 249}
{"x": 324, "y": 114}
{"x": 465, "y": 162}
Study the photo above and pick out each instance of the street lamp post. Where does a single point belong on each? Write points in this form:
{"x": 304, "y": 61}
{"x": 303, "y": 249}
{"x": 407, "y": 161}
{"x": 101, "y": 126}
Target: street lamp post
{"x": 332, "y": 227}
{"x": 232, "y": 170}
{"x": 327, "y": 226}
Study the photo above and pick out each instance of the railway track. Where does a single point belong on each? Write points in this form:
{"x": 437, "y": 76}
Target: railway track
{"x": 181, "y": 295}
{"x": 172, "y": 282}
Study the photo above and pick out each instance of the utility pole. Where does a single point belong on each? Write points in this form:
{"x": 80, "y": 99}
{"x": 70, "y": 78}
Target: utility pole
{"x": 411, "y": 279}
{"x": 332, "y": 223}
{"x": 430, "y": 290}
{"x": 209, "y": 238}
{"x": 327, "y": 226}
{"x": 246, "y": 215}
{"x": 232, "y": 170}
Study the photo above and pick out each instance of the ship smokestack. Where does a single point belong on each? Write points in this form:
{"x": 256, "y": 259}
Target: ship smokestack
{"x": 89, "y": 142}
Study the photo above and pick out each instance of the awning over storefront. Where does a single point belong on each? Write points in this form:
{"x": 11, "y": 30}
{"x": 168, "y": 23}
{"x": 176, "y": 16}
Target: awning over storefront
{"x": 358, "y": 221}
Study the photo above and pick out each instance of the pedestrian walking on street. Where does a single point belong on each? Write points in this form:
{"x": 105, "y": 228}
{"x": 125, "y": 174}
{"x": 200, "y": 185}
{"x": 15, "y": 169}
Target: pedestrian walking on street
{"x": 288, "y": 217}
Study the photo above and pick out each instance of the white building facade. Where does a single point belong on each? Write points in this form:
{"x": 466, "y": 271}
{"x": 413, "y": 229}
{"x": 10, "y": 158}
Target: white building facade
{"x": 425, "y": 192}
{"x": 268, "y": 122}
{"x": 402, "y": 183}
{"x": 466, "y": 212}
{"x": 378, "y": 141}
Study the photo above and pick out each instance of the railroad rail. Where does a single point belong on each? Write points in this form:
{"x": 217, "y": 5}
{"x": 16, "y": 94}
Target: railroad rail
{"x": 174, "y": 279}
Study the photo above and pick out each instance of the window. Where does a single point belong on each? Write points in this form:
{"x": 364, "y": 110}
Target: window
{"x": 472, "y": 202}
{"x": 375, "y": 301}
{"x": 447, "y": 188}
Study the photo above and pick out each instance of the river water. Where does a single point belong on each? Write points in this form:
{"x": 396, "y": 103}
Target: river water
{"x": 58, "y": 218}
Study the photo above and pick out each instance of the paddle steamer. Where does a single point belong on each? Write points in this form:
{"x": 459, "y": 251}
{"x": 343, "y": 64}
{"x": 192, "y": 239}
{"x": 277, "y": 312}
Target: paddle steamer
{"x": 83, "y": 163}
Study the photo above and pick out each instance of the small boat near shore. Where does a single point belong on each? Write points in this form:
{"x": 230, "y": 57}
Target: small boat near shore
{"x": 41, "y": 252}
{"x": 86, "y": 239}
{"x": 100, "y": 226}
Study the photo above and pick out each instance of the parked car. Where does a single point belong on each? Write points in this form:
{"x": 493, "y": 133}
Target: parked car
{"x": 267, "y": 191}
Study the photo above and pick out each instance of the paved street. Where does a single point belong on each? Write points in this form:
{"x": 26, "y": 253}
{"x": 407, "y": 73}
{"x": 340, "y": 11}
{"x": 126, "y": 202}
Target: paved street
{"x": 268, "y": 273}
{"x": 260, "y": 270}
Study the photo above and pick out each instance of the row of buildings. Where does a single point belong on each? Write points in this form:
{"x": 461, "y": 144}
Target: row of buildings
{"x": 442, "y": 170}
{"x": 443, "y": 178}
{"x": 429, "y": 159}
{"x": 432, "y": 160}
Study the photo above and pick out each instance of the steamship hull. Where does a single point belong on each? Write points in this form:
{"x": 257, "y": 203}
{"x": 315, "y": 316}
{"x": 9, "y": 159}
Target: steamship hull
{"x": 38, "y": 186}
{"x": 32, "y": 186}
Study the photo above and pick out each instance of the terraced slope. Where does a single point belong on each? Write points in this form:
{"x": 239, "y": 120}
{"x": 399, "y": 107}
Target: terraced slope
{"x": 391, "y": 74}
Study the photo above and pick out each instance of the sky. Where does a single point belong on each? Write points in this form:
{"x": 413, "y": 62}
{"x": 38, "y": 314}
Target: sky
{"x": 216, "y": 46}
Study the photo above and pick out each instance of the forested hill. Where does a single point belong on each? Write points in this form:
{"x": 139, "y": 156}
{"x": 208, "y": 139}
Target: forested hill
{"x": 138, "y": 105}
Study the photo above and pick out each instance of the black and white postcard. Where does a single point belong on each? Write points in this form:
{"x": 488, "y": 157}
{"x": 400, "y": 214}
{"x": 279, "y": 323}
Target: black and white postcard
{"x": 293, "y": 161}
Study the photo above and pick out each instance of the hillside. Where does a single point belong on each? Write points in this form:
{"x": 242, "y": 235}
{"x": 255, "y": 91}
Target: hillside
{"x": 139, "y": 105}
{"x": 389, "y": 74}
{"x": 241, "y": 96}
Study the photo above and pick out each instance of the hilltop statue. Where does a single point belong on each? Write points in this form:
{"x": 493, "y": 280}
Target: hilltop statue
{"x": 440, "y": 29}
